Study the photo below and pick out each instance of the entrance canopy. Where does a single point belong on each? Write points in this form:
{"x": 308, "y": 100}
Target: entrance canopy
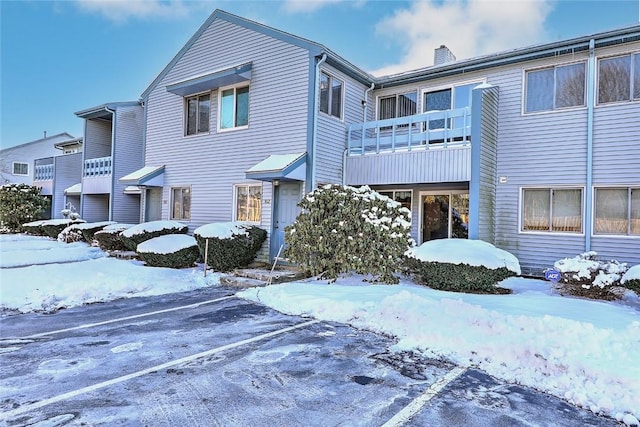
{"x": 74, "y": 190}
{"x": 211, "y": 80}
{"x": 281, "y": 167}
{"x": 149, "y": 176}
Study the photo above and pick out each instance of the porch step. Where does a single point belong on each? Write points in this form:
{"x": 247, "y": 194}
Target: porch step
{"x": 251, "y": 277}
{"x": 123, "y": 254}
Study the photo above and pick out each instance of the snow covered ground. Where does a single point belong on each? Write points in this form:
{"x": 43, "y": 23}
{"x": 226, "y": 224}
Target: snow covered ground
{"x": 583, "y": 351}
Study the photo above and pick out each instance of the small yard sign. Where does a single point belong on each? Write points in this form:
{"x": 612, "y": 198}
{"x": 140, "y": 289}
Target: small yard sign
{"x": 553, "y": 275}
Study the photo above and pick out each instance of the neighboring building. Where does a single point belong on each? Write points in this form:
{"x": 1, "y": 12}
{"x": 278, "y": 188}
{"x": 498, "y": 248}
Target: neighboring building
{"x": 113, "y": 146}
{"x": 17, "y": 163}
{"x": 536, "y": 150}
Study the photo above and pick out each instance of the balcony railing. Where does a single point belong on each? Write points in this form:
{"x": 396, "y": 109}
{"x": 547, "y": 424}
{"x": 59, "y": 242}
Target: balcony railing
{"x": 99, "y": 166}
{"x": 432, "y": 129}
{"x": 43, "y": 173}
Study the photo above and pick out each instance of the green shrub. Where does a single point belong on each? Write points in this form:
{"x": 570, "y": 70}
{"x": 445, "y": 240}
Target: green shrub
{"x": 90, "y": 228}
{"x": 231, "y": 244}
{"x": 19, "y": 204}
{"x": 344, "y": 229}
{"x": 54, "y": 227}
{"x": 171, "y": 251}
{"x": 110, "y": 240}
{"x": 137, "y": 234}
{"x": 34, "y": 228}
{"x": 586, "y": 276}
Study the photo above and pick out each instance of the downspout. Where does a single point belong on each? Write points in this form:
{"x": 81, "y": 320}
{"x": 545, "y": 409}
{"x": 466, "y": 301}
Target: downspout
{"x": 316, "y": 106}
{"x": 364, "y": 120}
{"x": 591, "y": 82}
{"x": 113, "y": 159}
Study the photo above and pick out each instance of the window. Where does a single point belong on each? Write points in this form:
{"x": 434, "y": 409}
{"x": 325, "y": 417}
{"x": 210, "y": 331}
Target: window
{"x": 401, "y": 196}
{"x": 198, "y": 108}
{"x": 181, "y": 203}
{"x": 617, "y": 211}
{"x": 249, "y": 203}
{"x": 234, "y": 107}
{"x": 556, "y": 87}
{"x": 619, "y": 79}
{"x": 401, "y": 105}
{"x": 20, "y": 168}
{"x": 552, "y": 210}
{"x": 330, "y": 95}
{"x": 446, "y": 99}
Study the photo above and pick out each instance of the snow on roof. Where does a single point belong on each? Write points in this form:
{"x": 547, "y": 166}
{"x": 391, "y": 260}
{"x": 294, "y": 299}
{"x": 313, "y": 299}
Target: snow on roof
{"x": 74, "y": 189}
{"x": 222, "y": 230}
{"x": 276, "y": 162}
{"x": 148, "y": 227}
{"x": 463, "y": 251}
{"x": 632, "y": 274}
{"x": 140, "y": 173}
{"x": 167, "y": 244}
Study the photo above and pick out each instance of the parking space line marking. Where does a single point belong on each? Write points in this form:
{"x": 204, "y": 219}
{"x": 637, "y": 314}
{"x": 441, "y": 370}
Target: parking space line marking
{"x": 74, "y": 393}
{"x": 416, "y": 404}
{"x": 122, "y": 319}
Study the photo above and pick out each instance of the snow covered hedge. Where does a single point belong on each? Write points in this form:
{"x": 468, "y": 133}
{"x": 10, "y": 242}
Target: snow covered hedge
{"x": 34, "y": 228}
{"x": 137, "y": 234}
{"x": 19, "y": 204}
{"x": 108, "y": 239}
{"x": 231, "y": 244}
{"x": 171, "y": 251}
{"x": 79, "y": 232}
{"x": 344, "y": 229}
{"x": 631, "y": 279}
{"x": 586, "y": 276}
{"x": 461, "y": 265}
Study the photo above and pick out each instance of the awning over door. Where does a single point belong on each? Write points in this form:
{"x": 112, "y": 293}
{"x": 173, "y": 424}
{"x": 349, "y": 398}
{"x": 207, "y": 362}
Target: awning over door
{"x": 74, "y": 190}
{"x": 215, "y": 79}
{"x": 149, "y": 176}
{"x": 283, "y": 167}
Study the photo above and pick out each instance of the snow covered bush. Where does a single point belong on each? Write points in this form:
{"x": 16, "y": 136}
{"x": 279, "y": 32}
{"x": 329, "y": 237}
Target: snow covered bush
{"x": 19, "y": 204}
{"x": 586, "y": 276}
{"x": 461, "y": 265}
{"x": 71, "y": 234}
{"x": 34, "y": 228}
{"x": 171, "y": 251}
{"x": 631, "y": 279}
{"x": 231, "y": 244}
{"x": 88, "y": 229}
{"x": 137, "y": 234}
{"x": 108, "y": 239}
{"x": 344, "y": 229}
{"x": 53, "y": 227}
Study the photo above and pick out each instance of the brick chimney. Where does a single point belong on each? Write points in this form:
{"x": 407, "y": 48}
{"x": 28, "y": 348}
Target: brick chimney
{"x": 443, "y": 55}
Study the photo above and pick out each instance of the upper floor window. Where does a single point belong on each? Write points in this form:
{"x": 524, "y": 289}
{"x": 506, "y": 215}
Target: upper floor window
{"x": 248, "y": 202}
{"x": 400, "y": 105}
{"x": 617, "y": 211}
{"x": 619, "y": 79}
{"x": 458, "y": 96}
{"x": 198, "y": 109}
{"x": 181, "y": 203}
{"x": 331, "y": 95}
{"x": 20, "y": 168}
{"x": 234, "y": 107}
{"x": 552, "y": 210}
{"x": 562, "y": 86}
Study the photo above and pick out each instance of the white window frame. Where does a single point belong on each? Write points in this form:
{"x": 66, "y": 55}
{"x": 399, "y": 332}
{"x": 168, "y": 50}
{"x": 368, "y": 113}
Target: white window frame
{"x": 524, "y": 111}
{"x": 13, "y": 168}
{"x": 236, "y": 187}
{"x": 397, "y": 190}
{"x": 593, "y": 210}
{"x": 549, "y": 188}
{"x": 332, "y": 77}
{"x": 235, "y": 100}
{"x": 171, "y": 200}
{"x": 186, "y": 113}
{"x": 597, "y": 82}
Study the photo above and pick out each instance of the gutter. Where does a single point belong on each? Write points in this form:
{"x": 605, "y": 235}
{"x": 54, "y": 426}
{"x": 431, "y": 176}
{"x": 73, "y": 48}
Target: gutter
{"x": 591, "y": 82}
{"x": 316, "y": 105}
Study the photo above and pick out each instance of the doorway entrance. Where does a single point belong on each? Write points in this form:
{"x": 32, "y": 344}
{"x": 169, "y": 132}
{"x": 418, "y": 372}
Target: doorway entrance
{"x": 153, "y": 204}
{"x": 444, "y": 215}
{"x": 286, "y": 196}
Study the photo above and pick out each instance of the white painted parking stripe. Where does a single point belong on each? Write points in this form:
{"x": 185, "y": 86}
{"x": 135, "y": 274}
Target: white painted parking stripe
{"x": 122, "y": 319}
{"x": 416, "y": 404}
{"x": 74, "y": 393}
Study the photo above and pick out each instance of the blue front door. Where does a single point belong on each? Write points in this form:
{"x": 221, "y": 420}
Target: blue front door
{"x": 287, "y": 196}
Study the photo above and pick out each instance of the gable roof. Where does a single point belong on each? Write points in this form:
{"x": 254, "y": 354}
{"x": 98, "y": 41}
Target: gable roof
{"x": 104, "y": 109}
{"x": 314, "y": 48}
{"x": 38, "y": 141}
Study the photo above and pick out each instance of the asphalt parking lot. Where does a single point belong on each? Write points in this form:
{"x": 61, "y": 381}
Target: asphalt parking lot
{"x": 207, "y": 358}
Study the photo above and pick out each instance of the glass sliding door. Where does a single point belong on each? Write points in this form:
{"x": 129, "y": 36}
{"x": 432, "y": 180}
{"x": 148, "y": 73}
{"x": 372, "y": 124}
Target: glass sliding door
{"x": 445, "y": 216}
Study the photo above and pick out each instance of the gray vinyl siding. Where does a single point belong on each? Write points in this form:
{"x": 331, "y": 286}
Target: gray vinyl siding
{"x": 332, "y": 132}
{"x": 128, "y": 158}
{"x": 97, "y": 140}
{"x": 26, "y": 153}
{"x": 95, "y": 207}
{"x": 68, "y": 172}
{"x": 212, "y": 163}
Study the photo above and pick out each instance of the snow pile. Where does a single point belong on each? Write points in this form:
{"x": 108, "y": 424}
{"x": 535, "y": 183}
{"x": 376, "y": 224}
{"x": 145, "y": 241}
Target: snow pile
{"x": 526, "y": 338}
{"x": 632, "y": 274}
{"x": 23, "y": 250}
{"x": 167, "y": 244}
{"x": 463, "y": 251}
{"x": 90, "y": 225}
{"x": 117, "y": 227}
{"x": 223, "y": 230}
{"x": 150, "y": 227}
{"x": 586, "y": 266}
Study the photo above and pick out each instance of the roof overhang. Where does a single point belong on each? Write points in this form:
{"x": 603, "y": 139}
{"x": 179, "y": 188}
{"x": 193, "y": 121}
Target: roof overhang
{"x": 148, "y": 176}
{"x": 74, "y": 190}
{"x": 70, "y": 143}
{"x": 132, "y": 189}
{"x": 215, "y": 79}
{"x": 104, "y": 111}
{"x": 281, "y": 167}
